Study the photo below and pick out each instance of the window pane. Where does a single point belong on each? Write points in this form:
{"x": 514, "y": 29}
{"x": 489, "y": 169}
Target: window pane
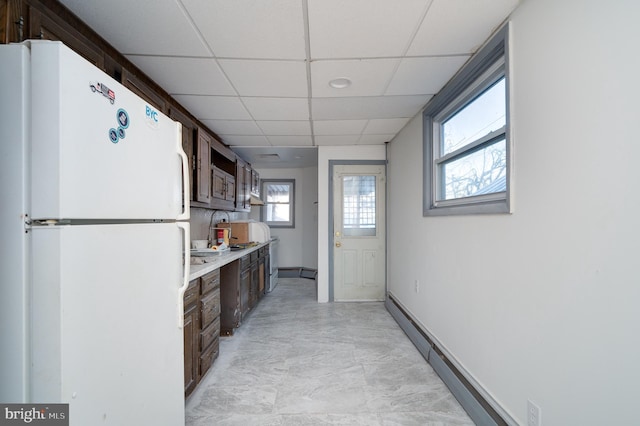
{"x": 481, "y": 116}
{"x": 359, "y": 205}
{"x": 278, "y": 193}
{"x": 277, "y": 212}
{"x": 481, "y": 172}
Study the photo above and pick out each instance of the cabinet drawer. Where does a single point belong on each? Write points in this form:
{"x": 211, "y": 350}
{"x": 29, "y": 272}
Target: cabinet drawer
{"x": 210, "y": 281}
{"x": 254, "y": 255}
{"x": 208, "y": 356}
{"x": 191, "y": 294}
{"x": 262, "y": 251}
{"x": 209, "y": 334}
{"x": 210, "y": 305}
{"x": 244, "y": 262}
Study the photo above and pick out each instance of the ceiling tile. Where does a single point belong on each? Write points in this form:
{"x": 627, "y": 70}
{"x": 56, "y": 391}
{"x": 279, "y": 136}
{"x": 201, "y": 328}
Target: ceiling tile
{"x": 337, "y": 140}
{"x": 165, "y": 29}
{"x": 278, "y": 108}
{"x": 290, "y": 140}
{"x": 233, "y": 127}
{"x": 367, "y": 107}
{"x": 375, "y": 139}
{"x": 338, "y": 127}
{"x": 362, "y": 28}
{"x": 185, "y": 76}
{"x": 385, "y": 126}
{"x": 369, "y": 77}
{"x": 245, "y": 140}
{"x": 287, "y": 127}
{"x": 214, "y": 107}
{"x": 459, "y": 26}
{"x": 267, "y": 78}
{"x": 251, "y": 29}
{"x": 424, "y": 75}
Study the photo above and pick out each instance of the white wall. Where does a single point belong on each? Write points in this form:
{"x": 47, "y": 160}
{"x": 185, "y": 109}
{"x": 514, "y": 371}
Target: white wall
{"x": 299, "y": 245}
{"x": 542, "y": 304}
{"x": 325, "y": 154}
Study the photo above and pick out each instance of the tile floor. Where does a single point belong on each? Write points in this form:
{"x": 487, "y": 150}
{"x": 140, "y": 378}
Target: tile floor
{"x": 298, "y": 362}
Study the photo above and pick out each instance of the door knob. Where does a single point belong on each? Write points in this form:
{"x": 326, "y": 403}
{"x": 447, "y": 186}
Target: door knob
{"x": 338, "y": 244}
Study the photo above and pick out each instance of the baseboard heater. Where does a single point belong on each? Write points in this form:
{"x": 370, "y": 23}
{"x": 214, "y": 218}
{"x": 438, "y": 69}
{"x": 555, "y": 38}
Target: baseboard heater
{"x": 476, "y": 406}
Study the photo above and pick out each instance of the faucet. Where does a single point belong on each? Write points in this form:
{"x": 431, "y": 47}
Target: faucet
{"x": 211, "y": 222}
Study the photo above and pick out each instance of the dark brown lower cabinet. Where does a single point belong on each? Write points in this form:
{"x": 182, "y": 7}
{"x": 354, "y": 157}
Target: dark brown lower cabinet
{"x": 242, "y": 284}
{"x": 191, "y": 333}
{"x": 201, "y": 328}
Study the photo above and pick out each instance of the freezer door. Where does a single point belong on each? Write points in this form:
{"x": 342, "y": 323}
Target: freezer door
{"x": 98, "y": 150}
{"x": 105, "y": 332}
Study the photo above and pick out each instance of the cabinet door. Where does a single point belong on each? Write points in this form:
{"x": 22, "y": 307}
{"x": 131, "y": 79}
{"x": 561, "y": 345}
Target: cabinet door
{"x": 218, "y": 184}
{"x": 203, "y": 168}
{"x": 241, "y": 187}
{"x": 245, "y": 288}
{"x": 230, "y": 185}
{"x": 255, "y": 183}
{"x": 47, "y": 27}
{"x": 255, "y": 282}
{"x": 191, "y": 353}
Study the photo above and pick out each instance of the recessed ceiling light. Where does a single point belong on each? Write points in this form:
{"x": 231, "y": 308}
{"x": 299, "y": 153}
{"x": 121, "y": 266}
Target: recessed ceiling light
{"x": 340, "y": 83}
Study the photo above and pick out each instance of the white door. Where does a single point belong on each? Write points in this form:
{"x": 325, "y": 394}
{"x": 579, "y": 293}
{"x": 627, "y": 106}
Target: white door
{"x": 106, "y": 334}
{"x": 359, "y": 232}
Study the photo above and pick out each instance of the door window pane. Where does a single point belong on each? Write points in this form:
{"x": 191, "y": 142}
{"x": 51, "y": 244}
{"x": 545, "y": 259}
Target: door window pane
{"x": 359, "y": 205}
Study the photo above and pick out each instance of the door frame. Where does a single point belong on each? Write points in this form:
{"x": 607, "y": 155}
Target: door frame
{"x": 330, "y": 228}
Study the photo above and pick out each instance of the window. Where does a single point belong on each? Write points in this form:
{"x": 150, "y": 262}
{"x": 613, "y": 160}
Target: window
{"x": 279, "y": 206}
{"x": 359, "y": 205}
{"x": 466, "y": 137}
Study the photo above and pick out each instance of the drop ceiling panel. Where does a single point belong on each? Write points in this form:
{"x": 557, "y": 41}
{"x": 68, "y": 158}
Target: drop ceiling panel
{"x": 424, "y": 75}
{"x": 214, "y": 107}
{"x": 233, "y": 127}
{"x": 251, "y": 29}
{"x": 338, "y": 127}
{"x": 459, "y": 26}
{"x": 375, "y": 139}
{"x": 185, "y": 76}
{"x": 248, "y": 140}
{"x": 362, "y": 28}
{"x": 290, "y": 140}
{"x": 267, "y": 78}
{"x": 385, "y": 126}
{"x": 369, "y": 77}
{"x": 149, "y": 27}
{"x": 337, "y": 140}
{"x": 367, "y": 107}
{"x": 276, "y": 128}
{"x": 278, "y": 108}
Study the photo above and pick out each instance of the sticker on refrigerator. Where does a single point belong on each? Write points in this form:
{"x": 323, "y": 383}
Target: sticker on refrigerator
{"x": 101, "y": 88}
{"x": 122, "y": 117}
{"x": 152, "y": 117}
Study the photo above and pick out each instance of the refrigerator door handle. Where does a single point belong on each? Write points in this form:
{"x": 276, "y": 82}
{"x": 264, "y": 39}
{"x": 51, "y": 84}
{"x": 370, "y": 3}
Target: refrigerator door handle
{"x": 185, "y": 279}
{"x": 185, "y": 178}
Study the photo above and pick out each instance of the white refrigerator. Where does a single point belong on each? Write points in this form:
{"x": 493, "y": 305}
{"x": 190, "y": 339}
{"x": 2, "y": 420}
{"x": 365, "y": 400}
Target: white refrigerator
{"x": 94, "y": 239}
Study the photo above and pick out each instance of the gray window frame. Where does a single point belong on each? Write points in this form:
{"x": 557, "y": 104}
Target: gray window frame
{"x": 292, "y": 203}
{"x": 487, "y": 66}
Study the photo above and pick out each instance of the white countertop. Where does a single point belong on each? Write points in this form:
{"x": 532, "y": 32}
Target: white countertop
{"x": 216, "y": 261}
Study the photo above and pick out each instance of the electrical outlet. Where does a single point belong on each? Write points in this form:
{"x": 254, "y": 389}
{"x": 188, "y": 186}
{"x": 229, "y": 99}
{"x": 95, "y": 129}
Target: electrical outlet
{"x": 534, "y": 415}
{"x": 417, "y": 285}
